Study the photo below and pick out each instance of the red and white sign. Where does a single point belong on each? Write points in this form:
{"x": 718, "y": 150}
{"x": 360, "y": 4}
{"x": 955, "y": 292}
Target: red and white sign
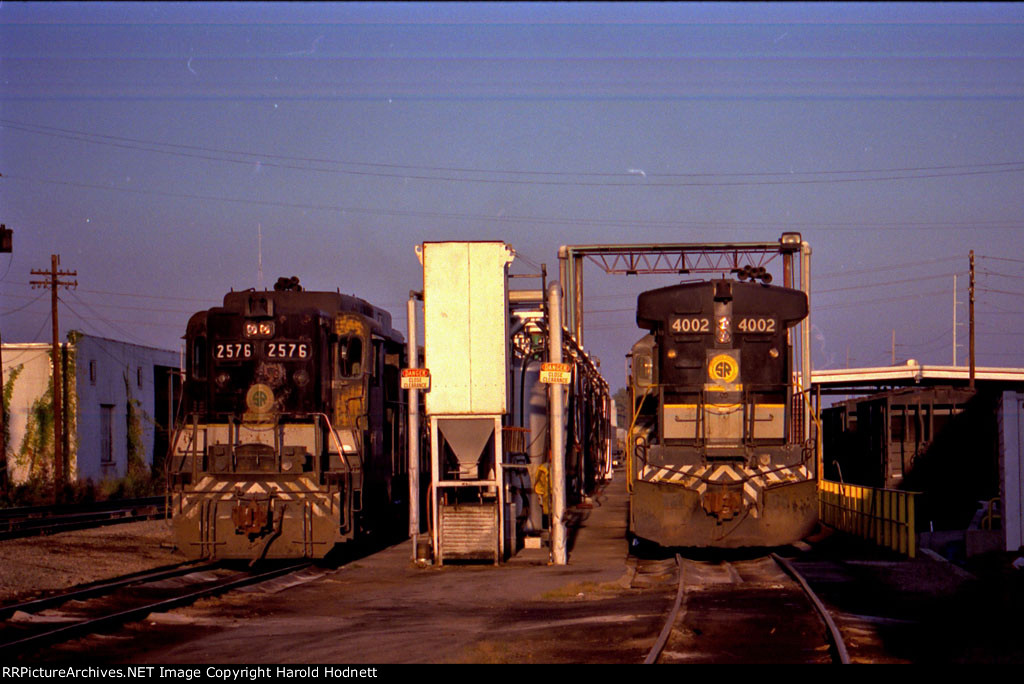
{"x": 556, "y": 373}
{"x": 415, "y": 378}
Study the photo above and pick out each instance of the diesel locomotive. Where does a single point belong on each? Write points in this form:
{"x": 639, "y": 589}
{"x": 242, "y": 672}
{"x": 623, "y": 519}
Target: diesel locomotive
{"x": 717, "y": 454}
{"x": 291, "y": 436}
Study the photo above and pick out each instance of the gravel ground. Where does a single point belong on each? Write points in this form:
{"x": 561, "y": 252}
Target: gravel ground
{"x": 35, "y": 566}
{"x": 974, "y": 616}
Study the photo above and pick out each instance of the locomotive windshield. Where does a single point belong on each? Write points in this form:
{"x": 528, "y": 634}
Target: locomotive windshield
{"x": 644, "y": 370}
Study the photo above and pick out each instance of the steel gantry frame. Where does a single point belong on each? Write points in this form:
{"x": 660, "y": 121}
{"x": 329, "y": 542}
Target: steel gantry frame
{"x": 663, "y": 259}
{"x": 690, "y": 258}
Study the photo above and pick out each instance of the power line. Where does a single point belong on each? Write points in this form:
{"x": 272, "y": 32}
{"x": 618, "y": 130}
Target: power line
{"x": 35, "y": 338}
{"x": 535, "y": 220}
{"x": 205, "y": 300}
{"x": 879, "y": 269}
{"x": 829, "y": 307}
{"x": 884, "y": 284}
{"x": 209, "y": 153}
{"x": 36, "y": 299}
{"x": 1017, "y": 261}
{"x": 1018, "y": 277}
{"x": 1018, "y": 293}
{"x": 105, "y": 320}
{"x": 121, "y": 307}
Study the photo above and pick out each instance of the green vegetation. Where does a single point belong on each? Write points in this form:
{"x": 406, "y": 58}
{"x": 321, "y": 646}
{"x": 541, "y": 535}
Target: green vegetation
{"x": 35, "y": 454}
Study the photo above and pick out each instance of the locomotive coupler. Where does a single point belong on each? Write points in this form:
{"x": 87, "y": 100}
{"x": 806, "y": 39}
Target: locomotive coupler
{"x": 252, "y": 513}
{"x": 724, "y": 502}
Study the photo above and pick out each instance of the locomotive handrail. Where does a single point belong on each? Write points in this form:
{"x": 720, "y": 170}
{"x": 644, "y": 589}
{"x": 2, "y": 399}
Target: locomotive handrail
{"x": 337, "y": 442}
{"x": 629, "y": 435}
{"x": 195, "y": 444}
{"x": 344, "y": 460}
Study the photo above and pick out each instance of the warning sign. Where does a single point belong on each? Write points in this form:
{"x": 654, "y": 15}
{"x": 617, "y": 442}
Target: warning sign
{"x": 556, "y": 373}
{"x": 415, "y": 378}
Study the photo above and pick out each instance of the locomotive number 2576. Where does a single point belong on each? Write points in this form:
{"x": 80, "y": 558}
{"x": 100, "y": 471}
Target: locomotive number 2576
{"x": 287, "y": 350}
{"x": 233, "y": 350}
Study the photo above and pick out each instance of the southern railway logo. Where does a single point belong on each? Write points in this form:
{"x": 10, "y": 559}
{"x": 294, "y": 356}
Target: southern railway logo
{"x": 723, "y": 368}
{"x": 259, "y": 398}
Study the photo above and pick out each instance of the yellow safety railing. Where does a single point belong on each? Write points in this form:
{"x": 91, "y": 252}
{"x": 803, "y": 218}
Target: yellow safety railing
{"x": 992, "y": 518}
{"x": 884, "y": 516}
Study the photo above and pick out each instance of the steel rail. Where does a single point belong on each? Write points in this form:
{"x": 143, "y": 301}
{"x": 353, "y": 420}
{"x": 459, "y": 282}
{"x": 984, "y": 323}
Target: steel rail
{"x": 833, "y": 630}
{"x": 93, "y": 624}
{"x": 659, "y": 645}
{"x": 40, "y": 520}
{"x": 106, "y": 586}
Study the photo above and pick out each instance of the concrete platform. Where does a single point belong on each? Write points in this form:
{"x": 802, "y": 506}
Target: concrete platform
{"x": 385, "y": 609}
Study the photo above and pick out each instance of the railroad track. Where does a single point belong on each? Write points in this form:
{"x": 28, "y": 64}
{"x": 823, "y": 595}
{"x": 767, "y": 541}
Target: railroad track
{"x": 748, "y": 611}
{"x": 108, "y": 605}
{"x": 29, "y": 521}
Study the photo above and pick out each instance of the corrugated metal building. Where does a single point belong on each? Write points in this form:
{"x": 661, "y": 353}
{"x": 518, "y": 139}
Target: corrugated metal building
{"x": 118, "y": 401}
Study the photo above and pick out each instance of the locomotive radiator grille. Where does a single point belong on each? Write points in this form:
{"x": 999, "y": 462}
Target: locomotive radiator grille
{"x": 755, "y": 480}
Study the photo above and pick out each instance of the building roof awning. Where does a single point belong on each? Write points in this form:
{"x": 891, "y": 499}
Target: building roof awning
{"x": 912, "y": 373}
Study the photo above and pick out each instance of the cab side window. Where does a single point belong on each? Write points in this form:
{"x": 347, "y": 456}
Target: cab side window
{"x": 349, "y": 357}
{"x": 199, "y": 357}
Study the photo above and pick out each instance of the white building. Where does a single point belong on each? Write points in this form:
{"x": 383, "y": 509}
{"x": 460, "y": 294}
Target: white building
{"x": 118, "y": 400}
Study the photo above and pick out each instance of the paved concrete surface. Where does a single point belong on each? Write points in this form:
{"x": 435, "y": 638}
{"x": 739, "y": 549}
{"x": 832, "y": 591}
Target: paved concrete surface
{"x": 382, "y": 608}
{"x": 385, "y": 609}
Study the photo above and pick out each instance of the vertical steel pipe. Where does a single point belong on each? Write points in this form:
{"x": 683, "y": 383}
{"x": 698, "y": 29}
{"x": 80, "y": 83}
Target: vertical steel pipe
{"x": 565, "y": 281}
{"x": 559, "y": 554}
{"x": 577, "y": 307}
{"x": 414, "y": 429}
{"x": 805, "y": 341}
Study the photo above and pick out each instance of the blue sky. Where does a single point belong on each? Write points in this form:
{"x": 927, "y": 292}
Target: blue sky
{"x": 150, "y": 144}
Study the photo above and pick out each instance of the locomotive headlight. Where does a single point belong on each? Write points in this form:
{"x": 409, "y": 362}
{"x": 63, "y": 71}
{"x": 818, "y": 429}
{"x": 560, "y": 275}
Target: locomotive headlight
{"x": 723, "y": 328}
{"x": 301, "y": 378}
{"x": 773, "y": 352}
{"x": 222, "y": 380}
{"x": 262, "y": 329}
{"x": 672, "y": 353}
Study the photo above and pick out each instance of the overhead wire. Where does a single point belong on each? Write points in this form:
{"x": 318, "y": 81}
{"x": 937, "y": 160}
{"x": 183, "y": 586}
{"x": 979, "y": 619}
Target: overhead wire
{"x": 1000, "y": 167}
{"x": 884, "y": 283}
{"x": 210, "y": 154}
{"x": 880, "y": 269}
{"x": 1017, "y": 261}
{"x": 534, "y": 220}
{"x": 36, "y": 299}
{"x": 101, "y": 318}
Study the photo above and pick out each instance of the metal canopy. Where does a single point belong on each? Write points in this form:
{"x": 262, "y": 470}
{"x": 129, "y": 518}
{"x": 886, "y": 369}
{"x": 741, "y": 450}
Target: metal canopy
{"x": 663, "y": 259}
{"x": 671, "y": 259}
{"x": 852, "y": 381}
{"x": 676, "y": 258}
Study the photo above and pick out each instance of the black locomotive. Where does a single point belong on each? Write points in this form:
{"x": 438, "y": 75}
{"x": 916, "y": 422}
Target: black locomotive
{"x": 717, "y": 455}
{"x": 291, "y": 437}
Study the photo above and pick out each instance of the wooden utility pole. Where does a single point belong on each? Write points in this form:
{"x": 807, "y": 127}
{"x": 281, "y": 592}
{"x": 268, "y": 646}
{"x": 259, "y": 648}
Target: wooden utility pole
{"x": 6, "y": 246}
{"x": 970, "y": 384}
{"x": 58, "y": 385}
